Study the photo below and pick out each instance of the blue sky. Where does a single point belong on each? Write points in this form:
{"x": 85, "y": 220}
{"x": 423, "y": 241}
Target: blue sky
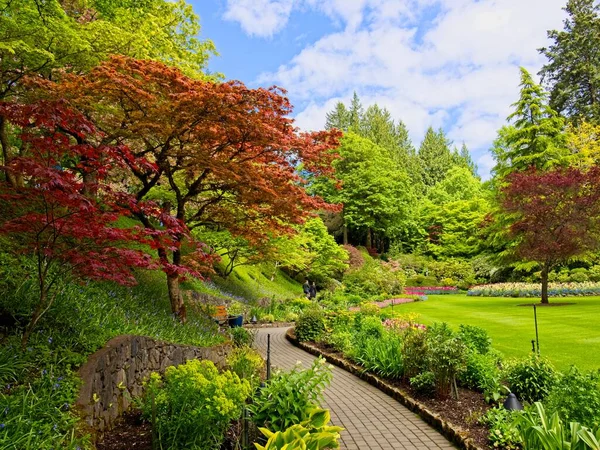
{"x": 444, "y": 63}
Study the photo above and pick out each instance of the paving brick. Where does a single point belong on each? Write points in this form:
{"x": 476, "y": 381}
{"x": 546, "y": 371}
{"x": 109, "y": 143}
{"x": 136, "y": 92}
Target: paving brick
{"x": 372, "y": 419}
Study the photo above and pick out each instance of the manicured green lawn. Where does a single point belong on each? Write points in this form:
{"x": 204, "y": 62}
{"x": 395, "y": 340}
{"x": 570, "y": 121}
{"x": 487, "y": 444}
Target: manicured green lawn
{"x": 568, "y": 334}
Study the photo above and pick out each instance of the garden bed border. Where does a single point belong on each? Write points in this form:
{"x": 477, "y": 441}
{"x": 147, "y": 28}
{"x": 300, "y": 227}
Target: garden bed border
{"x": 454, "y": 434}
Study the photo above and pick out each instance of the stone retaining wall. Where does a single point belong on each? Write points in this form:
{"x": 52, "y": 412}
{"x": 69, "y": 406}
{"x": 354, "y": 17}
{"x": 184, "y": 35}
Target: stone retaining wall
{"x": 113, "y": 375}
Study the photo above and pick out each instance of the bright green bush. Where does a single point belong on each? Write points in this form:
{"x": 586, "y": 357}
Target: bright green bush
{"x": 288, "y": 397}
{"x": 380, "y": 354}
{"x": 310, "y": 325}
{"x": 476, "y": 338}
{"x": 194, "y": 404}
{"x": 374, "y": 278}
{"x": 242, "y": 337}
{"x": 531, "y": 379}
{"x": 340, "y": 341}
{"x": 481, "y": 372}
{"x": 576, "y": 398}
{"x": 247, "y": 364}
{"x": 414, "y": 352}
{"x": 423, "y": 383}
{"x": 369, "y": 327}
{"x": 446, "y": 357}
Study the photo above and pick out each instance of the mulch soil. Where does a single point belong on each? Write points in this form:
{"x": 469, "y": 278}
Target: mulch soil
{"x": 130, "y": 432}
{"x": 463, "y": 413}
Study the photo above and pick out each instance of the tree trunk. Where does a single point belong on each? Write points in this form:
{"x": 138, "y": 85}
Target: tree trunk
{"x": 10, "y": 177}
{"x": 345, "y": 228}
{"x": 175, "y": 297}
{"x": 369, "y": 240}
{"x": 545, "y": 270}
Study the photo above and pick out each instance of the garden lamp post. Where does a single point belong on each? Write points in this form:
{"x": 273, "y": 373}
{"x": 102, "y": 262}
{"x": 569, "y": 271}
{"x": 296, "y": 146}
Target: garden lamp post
{"x": 512, "y": 403}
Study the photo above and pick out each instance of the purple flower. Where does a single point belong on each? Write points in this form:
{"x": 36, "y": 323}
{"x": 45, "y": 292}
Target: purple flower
{"x": 2, "y": 426}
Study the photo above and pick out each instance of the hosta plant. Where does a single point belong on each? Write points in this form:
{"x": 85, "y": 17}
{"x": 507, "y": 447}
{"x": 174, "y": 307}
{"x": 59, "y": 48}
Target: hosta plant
{"x": 311, "y": 434}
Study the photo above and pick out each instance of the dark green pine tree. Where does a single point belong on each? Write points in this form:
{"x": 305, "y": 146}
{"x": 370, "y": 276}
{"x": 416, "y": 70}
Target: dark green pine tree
{"x": 536, "y": 135}
{"x": 572, "y": 74}
{"x": 338, "y": 118}
{"x": 435, "y": 157}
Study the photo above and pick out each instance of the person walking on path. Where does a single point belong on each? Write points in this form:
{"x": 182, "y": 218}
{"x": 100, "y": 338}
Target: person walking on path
{"x": 306, "y": 288}
{"x": 313, "y": 290}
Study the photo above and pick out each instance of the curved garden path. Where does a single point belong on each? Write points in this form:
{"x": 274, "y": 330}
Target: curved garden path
{"x": 372, "y": 419}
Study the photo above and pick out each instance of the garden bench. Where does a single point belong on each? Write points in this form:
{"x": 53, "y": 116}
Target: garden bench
{"x": 220, "y": 315}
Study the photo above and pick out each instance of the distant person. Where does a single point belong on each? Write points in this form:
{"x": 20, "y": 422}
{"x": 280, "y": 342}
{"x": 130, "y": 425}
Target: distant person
{"x": 313, "y": 290}
{"x": 306, "y": 288}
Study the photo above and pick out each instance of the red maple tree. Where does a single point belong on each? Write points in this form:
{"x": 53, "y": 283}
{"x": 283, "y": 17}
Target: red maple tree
{"x": 64, "y": 215}
{"x": 224, "y": 155}
{"x": 554, "y": 216}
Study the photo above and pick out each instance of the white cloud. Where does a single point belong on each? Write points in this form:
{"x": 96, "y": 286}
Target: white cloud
{"x": 448, "y": 63}
{"x": 259, "y": 17}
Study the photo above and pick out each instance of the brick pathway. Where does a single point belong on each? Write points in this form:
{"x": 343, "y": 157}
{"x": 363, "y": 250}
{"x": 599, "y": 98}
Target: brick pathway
{"x": 372, "y": 420}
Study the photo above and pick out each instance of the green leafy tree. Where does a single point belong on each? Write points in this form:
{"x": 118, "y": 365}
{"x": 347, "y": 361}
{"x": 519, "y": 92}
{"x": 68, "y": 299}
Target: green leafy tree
{"x": 572, "y": 73}
{"x": 39, "y": 37}
{"x": 376, "y": 194}
{"x": 451, "y": 215}
{"x": 536, "y": 135}
{"x": 312, "y": 252}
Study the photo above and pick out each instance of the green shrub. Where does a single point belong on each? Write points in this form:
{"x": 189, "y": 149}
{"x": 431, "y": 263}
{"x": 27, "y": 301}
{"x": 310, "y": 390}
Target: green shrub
{"x": 421, "y": 280}
{"x": 267, "y": 318}
{"x": 576, "y": 398}
{"x": 374, "y": 278}
{"x": 242, "y": 337}
{"x": 310, "y": 325}
{"x": 476, "y": 338}
{"x": 531, "y": 379}
{"x": 446, "y": 357}
{"x": 380, "y": 354}
{"x": 194, "y": 404}
{"x": 481, "y": 372}
{"x": 370, "y": 327}
{"x": 504, "y": 433}
{"x": 414, "y": 352}
{"x": 340, "y": 341}
{"x": 288, "y": 397}
{"x": 423, "y": 383}
{"x": 247, "y": 364}
{"x": 291, "y": 317}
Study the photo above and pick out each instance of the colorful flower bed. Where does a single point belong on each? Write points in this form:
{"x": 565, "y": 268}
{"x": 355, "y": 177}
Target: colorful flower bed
{"x": 430, "y": 290}
{"x": 535, "y": 289}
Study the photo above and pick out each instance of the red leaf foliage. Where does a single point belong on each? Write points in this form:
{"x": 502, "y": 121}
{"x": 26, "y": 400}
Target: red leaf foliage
{"x": 52, "y": 214}
{"x": 229, "y": 152}
{"x": 556, "y": 214}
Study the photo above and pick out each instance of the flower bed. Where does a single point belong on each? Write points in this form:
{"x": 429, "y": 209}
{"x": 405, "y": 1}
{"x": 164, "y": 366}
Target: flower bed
{"x": 430, "y": 290}
{"x": 535, "y": 289}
